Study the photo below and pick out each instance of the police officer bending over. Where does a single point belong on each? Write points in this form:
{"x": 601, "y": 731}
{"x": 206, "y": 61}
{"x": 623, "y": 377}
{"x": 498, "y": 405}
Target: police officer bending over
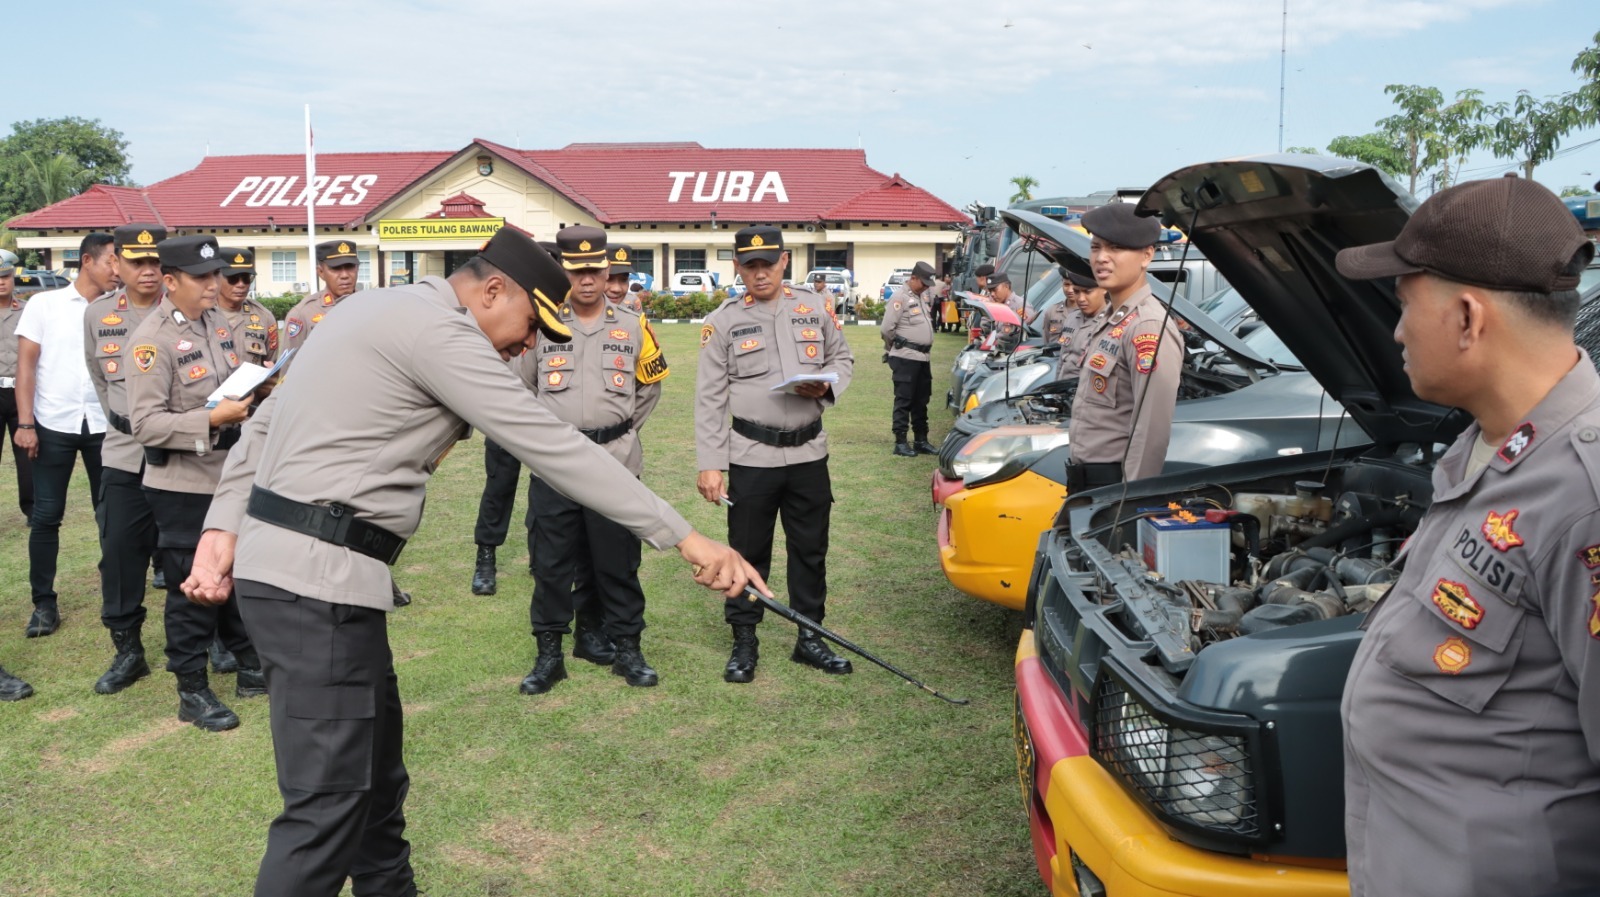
{"x": 606, "y": 380}
{"x": 907, "y": 331}
{"x": 775, "y": 452}
{"x": 322, "y": 493}
{"x": 1128, "y": 373}
{"x": 1472, "y": 709}
{"x": 181, "y": 354}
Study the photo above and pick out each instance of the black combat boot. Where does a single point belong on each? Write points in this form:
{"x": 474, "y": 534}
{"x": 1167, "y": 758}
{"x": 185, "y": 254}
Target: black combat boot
{"x": 924, "y": 447}
{"x": 222, "y": 660}
{"x": 483, "y": 574}
{"x": 903, "y": 449}
{"x": 198, "y": 704}
{"x": 630, "y": 663}
{"x": 252, "y": 680}
{"x": 45, "y": 620}
{"x": 158, "y": 574}
{"x": 812, "y": 651}
{"x": 550, "y": 668}
{"x": 592, "y": 644}
{"x": 400, "y": 596}
{"x": 746, "y": 652}
{"x": 12, "y": 688}
{"x": 128, "y": 666}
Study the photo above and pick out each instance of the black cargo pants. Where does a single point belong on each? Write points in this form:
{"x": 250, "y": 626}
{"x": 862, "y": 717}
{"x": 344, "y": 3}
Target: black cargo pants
{"x": 801, "y": 496}
{"x": 913, "y": 386}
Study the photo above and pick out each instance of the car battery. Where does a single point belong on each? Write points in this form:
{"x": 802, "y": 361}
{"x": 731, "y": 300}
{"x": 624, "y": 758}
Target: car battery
{"x": 1185, "y": 547}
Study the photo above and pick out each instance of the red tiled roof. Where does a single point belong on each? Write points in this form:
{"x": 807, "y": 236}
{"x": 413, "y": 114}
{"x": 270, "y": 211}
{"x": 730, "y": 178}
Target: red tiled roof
{"x": 614, "y": 182}
{"x": 894, "y": 200}
{"x": 462, "y": 205}
{"x": 243, "y": 191}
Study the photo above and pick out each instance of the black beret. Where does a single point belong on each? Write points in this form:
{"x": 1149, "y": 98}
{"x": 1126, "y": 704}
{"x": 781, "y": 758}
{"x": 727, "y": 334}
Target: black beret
{"x": 1117, "y": 224}
{"x": 983, "y": 271}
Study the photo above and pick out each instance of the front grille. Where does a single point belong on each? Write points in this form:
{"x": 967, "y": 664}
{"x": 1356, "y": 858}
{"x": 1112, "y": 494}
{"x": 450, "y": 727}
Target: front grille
{"x": 1197, "y": 779}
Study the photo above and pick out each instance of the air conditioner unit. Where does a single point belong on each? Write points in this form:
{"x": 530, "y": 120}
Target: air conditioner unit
{"x": 363, "y": 285}
{"x": 811, "y": 228}
{"x": 302, "y": 288}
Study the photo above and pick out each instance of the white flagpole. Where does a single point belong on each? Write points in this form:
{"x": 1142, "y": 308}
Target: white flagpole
{"x": 311, "y": 205}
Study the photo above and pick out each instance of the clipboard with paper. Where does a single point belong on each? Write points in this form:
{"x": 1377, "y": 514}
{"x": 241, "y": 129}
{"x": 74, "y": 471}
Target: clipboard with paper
{"x": 789, "y": 386}
{"x": 246, "y": 378}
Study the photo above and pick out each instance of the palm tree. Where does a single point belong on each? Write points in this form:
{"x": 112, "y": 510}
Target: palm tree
{"x": 52, "y": 178}
{"x": 1024, "y": 184}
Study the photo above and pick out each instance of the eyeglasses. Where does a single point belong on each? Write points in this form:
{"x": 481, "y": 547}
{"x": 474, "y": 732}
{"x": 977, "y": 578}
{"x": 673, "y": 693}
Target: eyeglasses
{"x": 241, "y": 278}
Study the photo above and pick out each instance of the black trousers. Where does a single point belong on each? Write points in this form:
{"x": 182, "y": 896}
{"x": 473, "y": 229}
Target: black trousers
{"x": 127, "y": 540}
{"x": 52, "y": 474}
{"x": 8, "y": 429}
{"x": 913, "y": 385}
{"x": 501, "y": 473}
{"x": 583, "y": 564}
{"x": 180, "y": 518}
{"x": 338, "y": 738}
{"x": 801, "y": 495}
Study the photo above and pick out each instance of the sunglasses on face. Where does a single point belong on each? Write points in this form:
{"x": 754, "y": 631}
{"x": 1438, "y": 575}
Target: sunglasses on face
{"x": 241, "y": 278}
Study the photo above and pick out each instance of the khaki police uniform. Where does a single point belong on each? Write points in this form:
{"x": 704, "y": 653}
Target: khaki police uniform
{"x": 1489, "y": 647}
{"x": 1076, "y": 327}
{"x": 256, "y": 330}
{"x": 907, "y": 331}
{"x": 127, "y": 525}
{"x": 774, "y": 447}
{"x": 175, "y": 365}
{"x": 1114, "y": 414}
{"x": 305, "y": 316}
{"x": 605, "y": 382}
{"x": 10, "y": 314}
{"x": 415, "y": 373}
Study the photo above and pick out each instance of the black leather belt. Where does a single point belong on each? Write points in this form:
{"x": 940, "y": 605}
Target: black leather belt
{"x": 608, "y": 434}
{"x": 1092, "y": 475}
{"x": 119, "y": 423}
{"x": 924, "y": 348}
{"x": 773, "y": 436}
{"x": 332, "y": 523}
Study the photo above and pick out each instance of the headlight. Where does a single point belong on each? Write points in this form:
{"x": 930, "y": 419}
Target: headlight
{"x": 1201, "y": 779}
{"x": 968, "y": 361}
{"x": 989, "y": 451}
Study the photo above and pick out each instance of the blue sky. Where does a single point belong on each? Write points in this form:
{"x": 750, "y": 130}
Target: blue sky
{"x": 956, "y": 95}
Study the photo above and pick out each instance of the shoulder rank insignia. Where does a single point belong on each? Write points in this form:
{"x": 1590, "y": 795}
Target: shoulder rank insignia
{"x": 1516, "y": 443}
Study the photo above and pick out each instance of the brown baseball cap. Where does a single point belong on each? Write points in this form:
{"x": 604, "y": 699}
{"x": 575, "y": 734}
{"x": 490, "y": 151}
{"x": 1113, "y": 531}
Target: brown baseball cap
{"x": 1501, "y": 234}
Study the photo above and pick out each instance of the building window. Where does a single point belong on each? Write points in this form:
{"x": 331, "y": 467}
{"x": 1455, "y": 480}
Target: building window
{"x": 644, "y": 261}
{"x": 724, "y": 255}
{"x": 829, "y": 258}
{"x": 284, "y": 267}
{"x": 364, "y": 266}
{"x": 69, "y": 258}
{"x": 688, "y": 260}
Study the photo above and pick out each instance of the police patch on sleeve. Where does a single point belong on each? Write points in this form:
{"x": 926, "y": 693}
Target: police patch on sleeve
{"x": 1144, "y": 346}
{"x": 705, "y": 334}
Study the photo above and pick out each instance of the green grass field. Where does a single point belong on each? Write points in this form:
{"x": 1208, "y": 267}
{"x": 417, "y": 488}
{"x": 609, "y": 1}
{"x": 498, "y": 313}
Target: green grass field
{"x": 797, "y": 784}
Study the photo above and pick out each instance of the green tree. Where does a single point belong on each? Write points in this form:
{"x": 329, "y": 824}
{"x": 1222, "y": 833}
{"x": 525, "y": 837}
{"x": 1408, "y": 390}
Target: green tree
{"x": 1415, "y": 125}
{"x": 1586, "y": 99}
{"x": 100, "y": 152}
{"x": 1304, "y": 150}
{"x": 51, "y": 178}
{"x": 1574, "y": 190}
{"x": 1461, "y": 128}
{"x": 1529, "y": 130}
{"x": 1380, "y": 149}
{"x": 1024, "y": 184}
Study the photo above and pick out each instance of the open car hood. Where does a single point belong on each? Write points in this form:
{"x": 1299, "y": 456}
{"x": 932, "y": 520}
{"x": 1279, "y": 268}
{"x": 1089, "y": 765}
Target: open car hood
{"x": 1272, "y": 225}
{"x": 1069, "y": 247}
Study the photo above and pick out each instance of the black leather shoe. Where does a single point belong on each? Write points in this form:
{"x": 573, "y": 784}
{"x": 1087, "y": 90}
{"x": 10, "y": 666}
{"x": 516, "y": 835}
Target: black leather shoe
{"x": 199, "y": 705}
{"x": 45, "y": 620}
{"x": 252, "y": 683}
{"x": 483, "y": 574}
{"x": 630, "y": 663}
{"x": 550, "y": 668}
{"x": 401, "y": 597}
{"x": 158, "y": 579}
{"x": 924, "y": 447}
{"x": 904, "y": 450}
{"x": 812, "y": 651}
{"x": 12, "y": 688}
{"x": 593, "y": 645}
{"x": 746, "y": 653}
{"x": 127, "y": 667}
{"x": 222, "y": 660}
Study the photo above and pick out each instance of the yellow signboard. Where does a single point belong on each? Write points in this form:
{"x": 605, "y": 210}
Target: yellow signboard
{"x": 438, "y": 228}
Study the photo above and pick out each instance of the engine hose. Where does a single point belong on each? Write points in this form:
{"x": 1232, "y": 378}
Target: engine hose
{"x": 1231, "y": 607}
{"x": 1360, "y": 526}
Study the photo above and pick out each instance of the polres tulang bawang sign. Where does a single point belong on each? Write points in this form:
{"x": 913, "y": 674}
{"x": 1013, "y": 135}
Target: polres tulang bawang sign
{"x": 281, "y": 190}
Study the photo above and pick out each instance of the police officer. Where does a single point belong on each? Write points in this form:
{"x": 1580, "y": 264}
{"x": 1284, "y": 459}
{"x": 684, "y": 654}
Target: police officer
{"x": 605, "y": 381}
{"x": 337, "y": 266}
{"x": 11, "y": 307}
{"x": 323, "y": 493}
{"x": 1129, "y": 369}
{"x": 1084, "y": 301}
{"x": 907, "y": 331}
{"x": 182, "y": 352}
{"x": 980, "y": 278}
{"x": 1472, "y": 707}
{"x": 775, "y": 452}
{"x": 126, "y": 523}
{"x": 617, "y": 280}
{"x": 253, "y": 324}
